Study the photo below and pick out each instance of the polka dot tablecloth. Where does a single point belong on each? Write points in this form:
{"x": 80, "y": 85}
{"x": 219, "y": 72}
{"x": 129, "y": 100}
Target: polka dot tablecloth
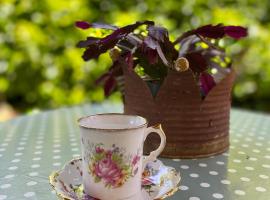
{"x": 31, "y": 147}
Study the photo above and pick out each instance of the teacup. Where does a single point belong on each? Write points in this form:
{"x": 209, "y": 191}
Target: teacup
{"x": 112, "y": 154}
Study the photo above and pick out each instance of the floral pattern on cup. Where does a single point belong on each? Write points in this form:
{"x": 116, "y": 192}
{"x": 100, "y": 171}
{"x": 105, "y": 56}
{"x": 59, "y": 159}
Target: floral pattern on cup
{"x": 111, "y": 166}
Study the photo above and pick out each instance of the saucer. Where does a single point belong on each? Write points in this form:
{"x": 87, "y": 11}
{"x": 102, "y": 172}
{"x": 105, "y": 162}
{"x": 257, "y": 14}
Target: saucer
{"x": 158, "y": 181}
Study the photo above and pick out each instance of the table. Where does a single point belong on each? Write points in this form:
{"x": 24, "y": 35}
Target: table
{"x": 33, "y": 146}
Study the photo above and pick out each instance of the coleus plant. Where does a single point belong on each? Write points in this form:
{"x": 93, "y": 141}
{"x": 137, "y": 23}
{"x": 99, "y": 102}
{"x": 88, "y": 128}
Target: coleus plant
{"x": 150, "y": 52}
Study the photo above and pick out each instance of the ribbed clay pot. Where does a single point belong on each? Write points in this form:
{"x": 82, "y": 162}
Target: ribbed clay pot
{"x": 194, "y": 127}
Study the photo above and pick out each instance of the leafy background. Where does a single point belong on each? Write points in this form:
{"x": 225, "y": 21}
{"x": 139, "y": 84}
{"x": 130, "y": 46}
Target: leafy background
{"x": 41, "y": 68}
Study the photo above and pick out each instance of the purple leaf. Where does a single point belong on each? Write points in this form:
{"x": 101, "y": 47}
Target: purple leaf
{"x": 152, "y": 56}
{"x": 82, "y": 24}
{"x": 91, "y": 52}
{"x": 154, "y": 45}
{"x": 87, "y": 42}
{"x": 197, "y": 63}
{"x": 95, "y": 48}
{"x": 102, "y": 78}
{"x": 158, "y": 33}
{"x": 109, "y": 85}
{"x": 210, "y": 31}
{"x": 235, "y": 32}
{"x": 103, "y": 26}
{"x": 215, "y": 32}
{"x": 129, "y": 60}
{"x": 86, "y": 25}
{"x": 207, "y": 82}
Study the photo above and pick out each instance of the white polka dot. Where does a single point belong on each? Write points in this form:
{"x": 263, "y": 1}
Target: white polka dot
{"x": 232, "y": 170}
{"x": 35, "y": 166}
{"x": 18, "y": 154}
{"x": 22, "y": 143}
{"x": 263, "y": 176}
{"x": 56, "y": 157}
{"x": 176, "y": 160}
{"x": 248, "y": 139}
{"x": 205, "y": 185}
{"x": 253, "y": 159}
{"x": 9, "y": 176}
{"x": 218, "y": 196}
{"x": 245, "y": 179}
{"x": 194, "y": 198}
{"x": 241, "y": 152}
{"x": 184, "y": 167}
{"x": 213, "y": 173}
{"x": 183, "y": 187}
{"x": 225, "y": 154}
{"x": 235, "y": 140}
{"x": 268, "y": 149}
{"x": 36, "y": 159}
{"x": 2, "y": 197}
{"x": 1, "y": 155}
{"x": 33, "y": 174}
{"x": 38, "y": 152}
{"x": 39, "y": 147}
{"x": 73, "y": 144}
{"x": 2, "y": 149}
{"x": 266, "y": 166}
{"x": 267, "y": 156}
{"x": 76, "y": 155}
{"x": 220, "y": 162}
{"x": 193, "y": 175}
{"x": 256, "y": 151}
{"x": 239, "y": 192}
{"x": 4, "y": 144}
{"x": 226, "y": 182}
{"x": 29, "y": 194}
{"x": 260, "y": 189}
{"x": 237, "y": 161}
{"x": 249, "y": 168}
{"x": 232, "y": 147}
{"x": 13, "y": 168}
{"x": 20, "y": 148}
{"x": 76, "y": 149}
{"x": 56, "y": 150}
{"x": 245, "y": 145}
{"x": 261, "y": 138}
{"x": 16, "y": 160}
{"x": 4, "y": 186}
{"x": 56, "y": 145}
{"x": 202, "y": 164}
{"x": 258, "y": 144}
{"x": 56, "y": 164}
{"x": 24, "y": 138}
{"x": 31, "y": 183}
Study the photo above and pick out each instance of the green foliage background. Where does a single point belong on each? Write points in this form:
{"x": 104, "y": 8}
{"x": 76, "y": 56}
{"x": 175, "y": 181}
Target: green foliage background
{"x": 40, "y": 66}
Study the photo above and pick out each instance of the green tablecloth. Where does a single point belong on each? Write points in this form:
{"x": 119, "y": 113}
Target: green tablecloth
{"x": 31, "y": 147}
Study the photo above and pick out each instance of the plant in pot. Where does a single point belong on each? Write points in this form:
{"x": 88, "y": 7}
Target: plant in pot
{"x": 184, "y": 84}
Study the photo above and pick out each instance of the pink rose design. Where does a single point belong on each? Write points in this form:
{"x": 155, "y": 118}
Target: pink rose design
{"x": 99, "y": 150}
{"x": 135, "y": 160}
{"x": 108, "y": 171}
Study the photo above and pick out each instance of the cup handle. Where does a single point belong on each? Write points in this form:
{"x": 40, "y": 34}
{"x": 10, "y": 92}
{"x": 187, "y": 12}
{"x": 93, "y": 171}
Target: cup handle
{"x": 154, "y": 154}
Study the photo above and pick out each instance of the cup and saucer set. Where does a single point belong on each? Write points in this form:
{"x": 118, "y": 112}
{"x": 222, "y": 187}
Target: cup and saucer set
{"x": 112, "y": 165}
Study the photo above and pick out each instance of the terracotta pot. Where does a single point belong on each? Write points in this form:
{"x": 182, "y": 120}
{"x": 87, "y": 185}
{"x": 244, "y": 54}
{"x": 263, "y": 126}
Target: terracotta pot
{"x": 194, "y": 127}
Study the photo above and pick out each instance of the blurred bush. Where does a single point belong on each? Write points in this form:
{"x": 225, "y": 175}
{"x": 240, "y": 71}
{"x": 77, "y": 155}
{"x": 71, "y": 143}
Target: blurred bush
{"x": 40, "y": 67}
